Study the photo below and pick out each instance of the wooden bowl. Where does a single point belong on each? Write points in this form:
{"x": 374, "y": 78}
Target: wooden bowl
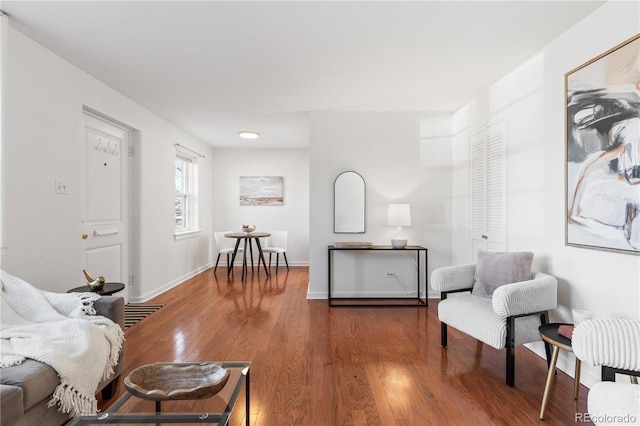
{"x": 164, "y": 381}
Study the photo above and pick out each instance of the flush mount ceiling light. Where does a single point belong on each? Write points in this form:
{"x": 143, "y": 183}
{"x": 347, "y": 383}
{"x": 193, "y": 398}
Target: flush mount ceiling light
{"x": 249, "y": 134}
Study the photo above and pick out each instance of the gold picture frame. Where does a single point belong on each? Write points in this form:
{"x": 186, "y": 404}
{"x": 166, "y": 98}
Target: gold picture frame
{"x": 602, "y": 155}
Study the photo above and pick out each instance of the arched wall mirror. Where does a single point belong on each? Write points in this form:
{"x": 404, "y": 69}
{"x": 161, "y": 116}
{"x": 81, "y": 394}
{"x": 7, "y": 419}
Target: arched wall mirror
{"x": 349, "y": 204}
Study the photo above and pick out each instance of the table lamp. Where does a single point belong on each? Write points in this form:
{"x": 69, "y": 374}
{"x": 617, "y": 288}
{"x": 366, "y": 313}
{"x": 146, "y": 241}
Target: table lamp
{"x": 399, "y": 215}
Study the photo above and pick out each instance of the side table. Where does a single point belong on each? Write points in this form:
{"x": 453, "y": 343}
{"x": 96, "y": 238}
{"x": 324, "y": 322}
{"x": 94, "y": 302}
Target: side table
{"x": 549, "y": 333}
{"x": 107, "y": 290}
{"x": 247, "y": 237}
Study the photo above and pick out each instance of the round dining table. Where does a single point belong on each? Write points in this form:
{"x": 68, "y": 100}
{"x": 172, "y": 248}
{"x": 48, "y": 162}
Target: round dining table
{"x": 246, "y": 237}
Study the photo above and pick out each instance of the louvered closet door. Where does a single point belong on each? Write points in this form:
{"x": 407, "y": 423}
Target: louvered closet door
{"x": 488, "y": 190}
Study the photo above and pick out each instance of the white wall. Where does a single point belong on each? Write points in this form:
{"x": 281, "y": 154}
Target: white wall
{"x": 531, "y": 100}
{"x": 293, "y": 216}
{"x": 42, "y": 135}
{"x": 394, "y": 152}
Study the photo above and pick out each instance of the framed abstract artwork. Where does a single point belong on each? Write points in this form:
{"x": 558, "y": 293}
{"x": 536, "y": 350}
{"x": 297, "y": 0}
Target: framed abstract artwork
{"x": 602, "y": 172}
{"x": 261, "y": 190}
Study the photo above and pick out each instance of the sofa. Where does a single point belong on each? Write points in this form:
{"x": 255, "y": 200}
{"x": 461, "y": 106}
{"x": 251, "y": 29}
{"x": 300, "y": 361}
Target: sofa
{"x": 26, "y": 389}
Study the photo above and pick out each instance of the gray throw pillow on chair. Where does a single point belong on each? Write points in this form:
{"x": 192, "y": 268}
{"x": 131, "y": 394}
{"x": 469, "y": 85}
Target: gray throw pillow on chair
{"x": 495, "y": 269}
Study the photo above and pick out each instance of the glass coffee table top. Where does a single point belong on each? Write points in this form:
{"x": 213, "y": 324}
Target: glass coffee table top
{"x": 131, "y": 410}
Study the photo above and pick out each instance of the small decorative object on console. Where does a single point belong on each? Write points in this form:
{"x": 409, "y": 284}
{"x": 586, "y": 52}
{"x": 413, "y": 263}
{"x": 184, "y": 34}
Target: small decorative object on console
{"x": 399, "y": 215}
{"x": 358, "y": 244}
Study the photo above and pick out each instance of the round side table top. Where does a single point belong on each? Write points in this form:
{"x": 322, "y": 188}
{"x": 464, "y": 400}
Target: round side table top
{"x": 549, "y": 333}
{"x": 107, "y": 290}
{"x": 247, "y": 235}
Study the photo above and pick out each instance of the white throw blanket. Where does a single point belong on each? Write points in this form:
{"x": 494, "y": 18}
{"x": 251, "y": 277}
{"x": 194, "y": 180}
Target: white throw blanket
{"x": 60, "y": 330}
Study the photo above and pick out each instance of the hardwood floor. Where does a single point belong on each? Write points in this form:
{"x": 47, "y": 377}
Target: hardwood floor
{"x": 315, "y": 365}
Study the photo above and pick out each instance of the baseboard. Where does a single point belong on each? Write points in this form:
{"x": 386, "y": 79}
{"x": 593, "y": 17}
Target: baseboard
{"x": 319, "y": 295}
{"x": 238, "y": 263}
{"x": 170, "y": 285}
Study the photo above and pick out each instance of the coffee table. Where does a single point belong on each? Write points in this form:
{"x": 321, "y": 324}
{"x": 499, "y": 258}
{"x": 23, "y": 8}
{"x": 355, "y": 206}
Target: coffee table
{"x": 129, "y": 410}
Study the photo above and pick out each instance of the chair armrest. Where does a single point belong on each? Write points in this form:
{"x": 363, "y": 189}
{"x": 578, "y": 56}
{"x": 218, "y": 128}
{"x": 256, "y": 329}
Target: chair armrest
{"x": 111, "y": 307}
{"x": 611, "y": 342}
{"x": 452, "y": 278}
{"x": 526, "y": 297}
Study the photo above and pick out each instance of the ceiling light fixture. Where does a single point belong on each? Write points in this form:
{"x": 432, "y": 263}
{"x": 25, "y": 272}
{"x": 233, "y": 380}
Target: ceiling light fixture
{"x": 249, "y": 134}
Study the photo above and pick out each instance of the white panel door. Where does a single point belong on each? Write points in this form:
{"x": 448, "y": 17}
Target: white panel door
{"x": 488, "y": 190}
{"x": 105, "y": 228}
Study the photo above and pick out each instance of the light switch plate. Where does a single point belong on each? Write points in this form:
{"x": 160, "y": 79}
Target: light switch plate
{"x": 61, "y": 187}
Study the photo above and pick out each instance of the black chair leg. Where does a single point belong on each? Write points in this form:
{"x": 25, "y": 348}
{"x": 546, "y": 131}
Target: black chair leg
{"x": 270, "y": 261}
{"x": 443, "y": 326}
{"x": 285, "y": 260}
{"x": 511, "y": 352}
{"x": 216, "y": 267}
{"x": 277, "y": 261}
{"x": 544, "y": 319}
{"x": 443, "y": 334}
{"x": 608, "y": 374}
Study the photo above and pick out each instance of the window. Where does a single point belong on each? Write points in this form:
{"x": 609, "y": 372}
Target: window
{"x": 186, "y": 201}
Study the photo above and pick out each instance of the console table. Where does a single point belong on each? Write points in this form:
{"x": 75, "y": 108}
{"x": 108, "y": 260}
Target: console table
{"x": 374, "y": 301}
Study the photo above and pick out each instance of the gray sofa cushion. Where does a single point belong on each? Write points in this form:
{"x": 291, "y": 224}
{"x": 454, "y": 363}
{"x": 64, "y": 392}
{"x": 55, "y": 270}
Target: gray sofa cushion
{"x": 495, "y": 269}
{"x": 11, "y": 408}
{"x": 37, "y": 380}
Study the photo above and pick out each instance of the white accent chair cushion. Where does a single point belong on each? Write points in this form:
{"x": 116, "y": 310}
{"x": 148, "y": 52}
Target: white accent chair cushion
{"x": 614, "y": 344}
{"x": 485, "y": 318}
{"x": 481, "y": 322}
{"x": 611, "y": 403}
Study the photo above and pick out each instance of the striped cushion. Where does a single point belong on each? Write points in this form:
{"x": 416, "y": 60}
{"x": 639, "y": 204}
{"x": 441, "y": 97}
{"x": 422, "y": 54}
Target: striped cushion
{"x": 475, "y": 316}
{"x": 613, "y": 342}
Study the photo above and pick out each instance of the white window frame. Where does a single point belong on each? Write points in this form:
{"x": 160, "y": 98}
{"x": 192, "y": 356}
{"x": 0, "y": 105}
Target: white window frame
{"x": 190, "y": 194}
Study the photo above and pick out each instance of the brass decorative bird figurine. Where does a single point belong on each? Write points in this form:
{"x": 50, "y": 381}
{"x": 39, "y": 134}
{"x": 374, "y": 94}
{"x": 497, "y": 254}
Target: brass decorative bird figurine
{"x": 94, "y": 284}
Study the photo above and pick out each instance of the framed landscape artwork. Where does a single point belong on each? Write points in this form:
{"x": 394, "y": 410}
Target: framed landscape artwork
{"x": 261, "y": 191}
{"x": 603, "y": 151}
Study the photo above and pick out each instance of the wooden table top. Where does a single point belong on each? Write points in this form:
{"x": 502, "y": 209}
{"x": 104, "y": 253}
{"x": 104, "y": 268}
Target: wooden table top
{"x": 247, "y": 235}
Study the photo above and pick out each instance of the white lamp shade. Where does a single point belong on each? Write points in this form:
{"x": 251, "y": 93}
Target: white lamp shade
{"x": 399, "y": 215}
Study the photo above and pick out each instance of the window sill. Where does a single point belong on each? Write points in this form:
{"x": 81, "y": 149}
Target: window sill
{"x": 183, "y": 235}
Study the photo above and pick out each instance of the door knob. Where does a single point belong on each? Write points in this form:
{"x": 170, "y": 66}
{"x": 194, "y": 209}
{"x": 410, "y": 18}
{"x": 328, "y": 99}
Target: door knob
{"x": 85, "y": 236}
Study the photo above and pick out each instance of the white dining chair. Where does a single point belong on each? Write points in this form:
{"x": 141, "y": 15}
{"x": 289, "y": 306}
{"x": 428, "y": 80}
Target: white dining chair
{"x": 276, "y": 243}
{"x": 225, "y": 246}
